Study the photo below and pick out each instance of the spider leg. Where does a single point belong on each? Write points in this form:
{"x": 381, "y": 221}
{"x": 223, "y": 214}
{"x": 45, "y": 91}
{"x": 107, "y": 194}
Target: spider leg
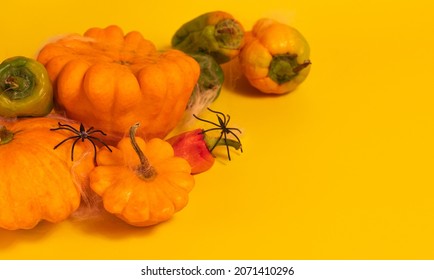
{"x": 73, "y": 130}
{"x": 73, "y": 146}
{"x": 63, "y": 141}
{"x": 95, "y": 131}
{"x": 233, "y": 128}
{"x": 211, "y": 129}
{"x": 66, "y": 127}
{"x": 225, "y": 129}
{"x": 94, "y": 150}
{"x": 227, "y": 146}
{"x": 218, "y": 113}
{"x": 207, "y": 121}
{"x": 99, "y": 140}
{"x": 216, "y": 142}
{"x": 238, "y": 139}
{"x": 89, "y": 129}
{"x": 227, "y": 120}
{"x": 221, "y": 117}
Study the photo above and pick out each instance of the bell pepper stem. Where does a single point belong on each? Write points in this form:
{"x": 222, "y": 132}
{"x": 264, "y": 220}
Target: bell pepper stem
{"x": 144, "y": 169}
{"x": 16, "y": 83}
{"x": 212, "y": 142}
{"x": 18, "y": 80}
{"x": 5, "y": 135}
{"x": 285, "y": 67}
{"x": 229, "y": 34}
{"x": 221, "y": 38}
{"x": 300, "y": 67}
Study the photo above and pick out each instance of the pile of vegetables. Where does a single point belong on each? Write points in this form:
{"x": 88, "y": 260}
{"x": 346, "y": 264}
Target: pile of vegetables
{"x": 91, "y": 116}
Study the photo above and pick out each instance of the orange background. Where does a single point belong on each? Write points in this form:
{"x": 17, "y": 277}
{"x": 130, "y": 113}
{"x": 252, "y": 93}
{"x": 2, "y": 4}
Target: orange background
{"x": 341, "y": 168}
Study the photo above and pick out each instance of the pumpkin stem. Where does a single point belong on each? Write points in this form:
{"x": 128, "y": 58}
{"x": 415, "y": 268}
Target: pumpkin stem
{"x": 144, "y": 170}
{"x": 5, "y": 135}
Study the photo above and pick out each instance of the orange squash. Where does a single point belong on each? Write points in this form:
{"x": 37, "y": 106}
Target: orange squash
{"x": 142, "y": 182}
{"x": 37, "y": 182}
{"x": 110, "y": 80}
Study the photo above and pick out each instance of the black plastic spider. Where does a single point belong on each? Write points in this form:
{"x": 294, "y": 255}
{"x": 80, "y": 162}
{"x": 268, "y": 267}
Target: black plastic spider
{"x": 223, "y": 121}
{"x": 82, "y": 135}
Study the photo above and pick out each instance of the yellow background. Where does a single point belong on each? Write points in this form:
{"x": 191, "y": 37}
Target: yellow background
{"x": 342, "y": 168}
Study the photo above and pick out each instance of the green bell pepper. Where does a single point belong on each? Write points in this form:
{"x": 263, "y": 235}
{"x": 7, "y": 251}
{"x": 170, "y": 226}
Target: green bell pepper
{"x": 25, "y": 88}
{"x": 209, "y": 84}
{"x": 215, "y": 33}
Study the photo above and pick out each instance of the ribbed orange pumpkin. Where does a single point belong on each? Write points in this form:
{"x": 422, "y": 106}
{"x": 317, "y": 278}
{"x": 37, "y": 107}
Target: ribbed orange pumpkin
{"x": 37, "y": 182}
{"x": 110, "y": 80}
{"x": 142, "y": 182}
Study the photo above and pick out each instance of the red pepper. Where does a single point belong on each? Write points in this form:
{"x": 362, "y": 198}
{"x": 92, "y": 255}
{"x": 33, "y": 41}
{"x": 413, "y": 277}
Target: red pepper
{"x": 191, "y": 146}
{"x": 196, "y": 146}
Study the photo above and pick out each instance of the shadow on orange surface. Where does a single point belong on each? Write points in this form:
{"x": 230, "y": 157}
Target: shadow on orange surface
{"x": 9, "y": 238}
{"x": 236, "y": 82}
{"x": 109, "y": 226}
{"x": 102, "y": 225}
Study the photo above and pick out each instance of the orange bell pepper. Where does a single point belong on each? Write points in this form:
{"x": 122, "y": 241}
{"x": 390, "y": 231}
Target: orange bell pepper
{"x": 275, "y": 58}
